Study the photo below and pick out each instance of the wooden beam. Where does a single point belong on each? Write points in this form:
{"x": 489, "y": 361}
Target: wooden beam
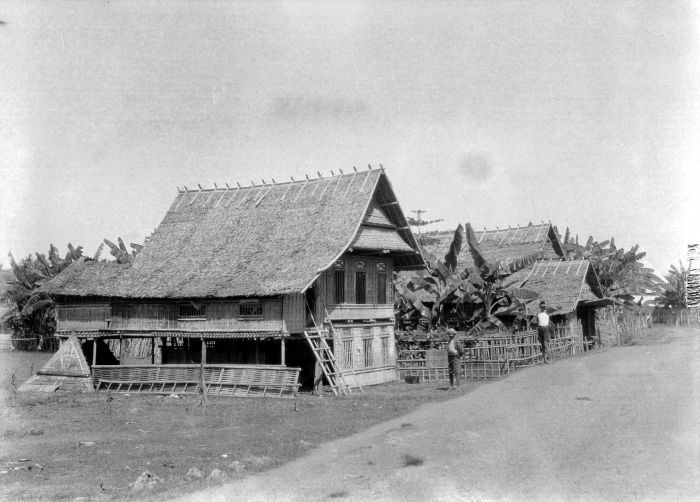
{"x": 362, "y": 188}
{"x": 233, "y": 196}
{"x": 204, "y": 351}
{"x": 223, "y": 193}
{"x": 302, "y": 188}
{"x": 283, "y": 351}
{"x": 94, "y": 352}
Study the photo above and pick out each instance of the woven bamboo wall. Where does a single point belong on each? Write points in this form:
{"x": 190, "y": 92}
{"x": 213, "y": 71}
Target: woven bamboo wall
{"x": 85, "y": 316}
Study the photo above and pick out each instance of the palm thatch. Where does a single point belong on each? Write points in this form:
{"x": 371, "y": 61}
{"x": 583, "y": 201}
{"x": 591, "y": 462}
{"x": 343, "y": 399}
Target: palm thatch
{"x": 261, "y": 240}
{"x": 561, "y": 284}
{"x": 504, "y": 245}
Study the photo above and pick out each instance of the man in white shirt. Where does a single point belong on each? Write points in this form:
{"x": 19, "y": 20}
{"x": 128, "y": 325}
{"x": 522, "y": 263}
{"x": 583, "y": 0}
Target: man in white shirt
{"x": 543, "y": 331}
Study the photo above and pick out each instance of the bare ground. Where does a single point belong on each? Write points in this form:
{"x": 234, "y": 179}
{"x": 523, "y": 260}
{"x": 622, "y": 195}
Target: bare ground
{"x": 623, "y": 424}
{"x": 72, "y": 446}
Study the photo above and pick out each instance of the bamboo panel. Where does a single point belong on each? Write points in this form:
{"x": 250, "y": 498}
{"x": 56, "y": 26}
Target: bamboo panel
{"x": 249, "y": 380}
{"x": 425, "y": 374}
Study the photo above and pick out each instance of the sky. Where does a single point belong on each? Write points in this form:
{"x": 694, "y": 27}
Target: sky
{"x": 585, "y": 114}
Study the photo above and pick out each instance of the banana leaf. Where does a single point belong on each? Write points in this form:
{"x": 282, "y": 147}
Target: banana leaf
{"x": 455, "y": 249}
{"x": 474, "y": 248}
{"x": 97, "y": 254}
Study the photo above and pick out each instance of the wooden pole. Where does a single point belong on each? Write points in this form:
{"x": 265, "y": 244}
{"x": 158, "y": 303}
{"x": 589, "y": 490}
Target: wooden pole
{"x": 94, "y": 351}
{"x": 283, "y": 351}
{"x": 202, "y": 382}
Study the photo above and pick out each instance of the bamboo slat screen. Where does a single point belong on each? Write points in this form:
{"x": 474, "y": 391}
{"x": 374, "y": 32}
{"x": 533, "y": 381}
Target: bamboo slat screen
{"x": 232, "y": 380}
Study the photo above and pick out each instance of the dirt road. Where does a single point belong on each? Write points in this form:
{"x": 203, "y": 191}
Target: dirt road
{"x": 623, "y": 424}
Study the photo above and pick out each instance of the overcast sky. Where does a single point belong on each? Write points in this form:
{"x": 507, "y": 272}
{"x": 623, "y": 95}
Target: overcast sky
{"x": 497, "y": 113}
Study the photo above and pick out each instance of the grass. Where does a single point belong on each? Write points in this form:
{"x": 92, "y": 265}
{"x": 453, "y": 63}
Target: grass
{"x": 82, "y": 446}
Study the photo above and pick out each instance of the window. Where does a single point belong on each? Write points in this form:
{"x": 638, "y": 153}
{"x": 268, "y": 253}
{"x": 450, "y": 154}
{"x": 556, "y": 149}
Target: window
{"x": 360, "y": 282}
{"x": 385, "y": 349}
{"x": 250, "y": 309}
{"x": 347, "y": 354}
{"x": 381, "y": 283}
{"x": 339, "y": 282}
{"x": 190, "y": 310}
{"x": 368, "y": 354}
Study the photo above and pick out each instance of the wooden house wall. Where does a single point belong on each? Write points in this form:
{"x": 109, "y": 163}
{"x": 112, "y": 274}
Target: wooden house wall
{"x": 350, "y": 344}
{"x": 83, "y": 316}
{"x": 157, "y": 315}
{"x": 328, "y": 279}
{"x": 294, "y": 312}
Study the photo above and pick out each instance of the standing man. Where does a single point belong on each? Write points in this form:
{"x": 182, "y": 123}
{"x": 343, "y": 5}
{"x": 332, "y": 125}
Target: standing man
{"x": 454, "y": 352}
{"x": 543, "y": 331}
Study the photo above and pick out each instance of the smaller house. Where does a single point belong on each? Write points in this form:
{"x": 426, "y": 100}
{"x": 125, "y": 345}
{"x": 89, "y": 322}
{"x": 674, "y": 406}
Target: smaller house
{"x": 570, "y": 289}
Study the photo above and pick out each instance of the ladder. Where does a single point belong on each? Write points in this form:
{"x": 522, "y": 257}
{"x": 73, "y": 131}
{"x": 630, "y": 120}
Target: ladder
{"x": 332, "y": 330}
{"x": 325, "y": 357}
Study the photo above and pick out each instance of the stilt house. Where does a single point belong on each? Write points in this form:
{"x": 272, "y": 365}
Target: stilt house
{"x": 233, "y": 277}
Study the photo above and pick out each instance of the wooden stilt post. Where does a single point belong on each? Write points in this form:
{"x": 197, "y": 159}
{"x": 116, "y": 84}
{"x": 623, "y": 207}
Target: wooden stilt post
{"x": 282, "y": 352}
{"x": 153, "y": 350}
{"x": 202, "y": 381}
{"x": 94, "y": 352}
{"x": 120, "y": 349}
{"x": 257, "y": 351}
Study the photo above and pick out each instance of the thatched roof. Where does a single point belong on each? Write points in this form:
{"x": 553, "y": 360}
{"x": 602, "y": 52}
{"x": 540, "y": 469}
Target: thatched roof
{"x": 505, "y": 245}
{"x": 253, "y": 241}
{"x": 561, "y": 284}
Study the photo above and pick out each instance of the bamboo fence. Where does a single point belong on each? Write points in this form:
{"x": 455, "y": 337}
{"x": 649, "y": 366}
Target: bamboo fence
{"x": 492, "y": 356}
{"x": 677, "y": 317}
{"x": 619, "y": 326}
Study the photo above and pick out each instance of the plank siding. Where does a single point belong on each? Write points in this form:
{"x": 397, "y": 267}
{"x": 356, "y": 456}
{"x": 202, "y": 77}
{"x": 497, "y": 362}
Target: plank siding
{"x": 294, "y": 316}
{"x": 83, "y": 317}
{"x": 120, "y": 315}
{"x": 349, "y": 346}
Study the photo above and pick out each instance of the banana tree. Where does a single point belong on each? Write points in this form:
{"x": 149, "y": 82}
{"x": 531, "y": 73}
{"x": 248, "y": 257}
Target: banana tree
{"x": 674, "y": 295}
{"x": 120, "y": 252}
{"x": 31, "y": 311}
{"x": 430, "y": 291}
{"x": 472, "y": 294}
{"x": 488, "y": 292}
